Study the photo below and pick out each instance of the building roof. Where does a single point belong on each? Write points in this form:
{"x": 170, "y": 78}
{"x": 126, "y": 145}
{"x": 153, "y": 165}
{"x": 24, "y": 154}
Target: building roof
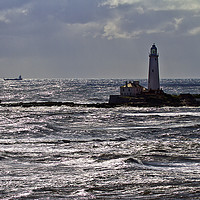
{"x": 132, "y": 84}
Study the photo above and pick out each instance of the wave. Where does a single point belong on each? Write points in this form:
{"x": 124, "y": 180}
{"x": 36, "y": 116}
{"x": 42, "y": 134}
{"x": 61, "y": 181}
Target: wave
{"x": 164, "y": 114}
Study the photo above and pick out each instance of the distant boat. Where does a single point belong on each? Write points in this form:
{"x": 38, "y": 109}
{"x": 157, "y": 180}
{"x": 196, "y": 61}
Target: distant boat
{"x": 13, "y": 79}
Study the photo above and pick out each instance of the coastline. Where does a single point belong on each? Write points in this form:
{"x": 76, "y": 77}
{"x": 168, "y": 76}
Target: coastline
{"x": 161, "y": 100}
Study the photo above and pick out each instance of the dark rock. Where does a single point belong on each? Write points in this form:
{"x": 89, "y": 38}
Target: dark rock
{"x": 143, "y": 100}
{"x": 155, "y": 100}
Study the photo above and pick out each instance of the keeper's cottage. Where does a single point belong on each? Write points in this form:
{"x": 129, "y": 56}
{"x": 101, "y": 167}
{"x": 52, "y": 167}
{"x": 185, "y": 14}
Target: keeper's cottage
{"x": 134, "y": 89}
{"x": 131, "y": 89}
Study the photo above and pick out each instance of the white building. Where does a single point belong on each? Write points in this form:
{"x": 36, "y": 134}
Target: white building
{"x": 154, "y": 80}
{"x": 131, "y": 89}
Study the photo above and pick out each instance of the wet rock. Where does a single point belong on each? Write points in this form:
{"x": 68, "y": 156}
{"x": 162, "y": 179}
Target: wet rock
{"x": 144, "y": 100}
{"x": 156, "y": 100}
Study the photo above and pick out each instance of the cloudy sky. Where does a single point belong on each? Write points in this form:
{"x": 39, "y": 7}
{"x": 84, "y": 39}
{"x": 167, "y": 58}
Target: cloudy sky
{"x": 98, "y": 38}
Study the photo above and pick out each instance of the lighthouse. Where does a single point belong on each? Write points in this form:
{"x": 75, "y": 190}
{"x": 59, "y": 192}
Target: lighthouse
{"x": 154, "y": 80}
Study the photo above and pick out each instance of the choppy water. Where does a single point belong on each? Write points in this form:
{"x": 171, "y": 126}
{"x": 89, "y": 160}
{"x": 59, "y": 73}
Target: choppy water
{"x": 90, "y": 153}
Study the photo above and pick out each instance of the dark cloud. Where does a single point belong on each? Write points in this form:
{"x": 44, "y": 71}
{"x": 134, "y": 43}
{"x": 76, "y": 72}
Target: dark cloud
{"x": 98, "y": 38}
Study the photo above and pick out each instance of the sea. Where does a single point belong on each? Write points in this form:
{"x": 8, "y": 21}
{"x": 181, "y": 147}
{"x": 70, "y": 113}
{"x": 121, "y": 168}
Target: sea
{"x": 63, "y": 152}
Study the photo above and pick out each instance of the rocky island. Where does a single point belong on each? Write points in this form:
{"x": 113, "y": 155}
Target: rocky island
{"x": 158, "y": 100}
{"x": 133, "y": 94}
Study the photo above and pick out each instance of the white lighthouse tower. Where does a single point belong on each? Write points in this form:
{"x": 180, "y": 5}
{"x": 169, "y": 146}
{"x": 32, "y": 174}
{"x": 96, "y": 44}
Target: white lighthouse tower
{"x": 154, "y": 80}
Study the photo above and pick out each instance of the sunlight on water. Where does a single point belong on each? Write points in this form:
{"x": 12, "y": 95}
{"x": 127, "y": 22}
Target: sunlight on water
{"x": 90, "y": 153}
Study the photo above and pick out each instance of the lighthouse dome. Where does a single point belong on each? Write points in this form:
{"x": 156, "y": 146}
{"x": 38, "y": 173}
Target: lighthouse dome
{"x": 153, "y": 50}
